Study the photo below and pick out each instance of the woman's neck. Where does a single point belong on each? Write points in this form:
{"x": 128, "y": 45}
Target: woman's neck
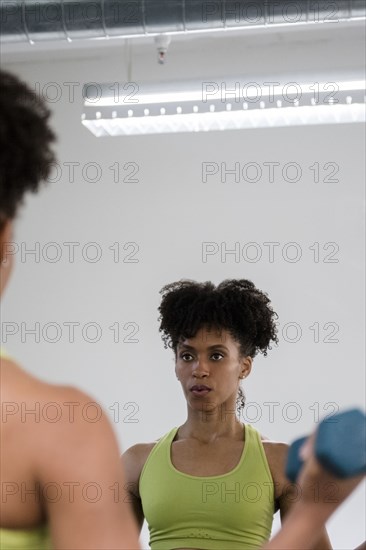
{"x": 209, "y": 426}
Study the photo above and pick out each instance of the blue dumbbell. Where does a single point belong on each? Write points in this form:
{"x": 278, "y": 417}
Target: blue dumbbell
{"x": 340, "y": 446}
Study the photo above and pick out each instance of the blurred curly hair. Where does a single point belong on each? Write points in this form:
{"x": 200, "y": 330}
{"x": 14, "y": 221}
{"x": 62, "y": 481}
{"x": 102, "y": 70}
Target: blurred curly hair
{"x": 26, "y": 157}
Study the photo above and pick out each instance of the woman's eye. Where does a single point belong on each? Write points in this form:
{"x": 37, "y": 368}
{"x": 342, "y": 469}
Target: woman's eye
{"x": 217, "y": 354}
{"x": 188, "y": 357}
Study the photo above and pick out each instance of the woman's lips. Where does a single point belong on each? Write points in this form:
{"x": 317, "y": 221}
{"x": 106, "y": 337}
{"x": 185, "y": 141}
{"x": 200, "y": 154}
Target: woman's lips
{"x": 200, "y": 390}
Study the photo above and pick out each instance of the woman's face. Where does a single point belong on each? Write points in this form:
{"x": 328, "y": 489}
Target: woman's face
{"x": 210, "y": 360}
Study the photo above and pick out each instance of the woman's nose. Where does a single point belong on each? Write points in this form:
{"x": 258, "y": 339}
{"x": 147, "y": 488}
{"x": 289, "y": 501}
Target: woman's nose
{"x": 200, "y": 369}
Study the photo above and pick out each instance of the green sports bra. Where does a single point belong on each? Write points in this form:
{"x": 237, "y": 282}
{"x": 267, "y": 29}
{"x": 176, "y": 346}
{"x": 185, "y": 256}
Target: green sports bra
{"x": 233, "y": 511}
{"x": 24, "y": 539}
{"x": 3, "y": 354}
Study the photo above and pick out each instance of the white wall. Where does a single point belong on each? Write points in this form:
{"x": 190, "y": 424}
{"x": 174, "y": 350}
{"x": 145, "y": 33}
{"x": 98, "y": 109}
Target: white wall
{"x": 169, "y": 213}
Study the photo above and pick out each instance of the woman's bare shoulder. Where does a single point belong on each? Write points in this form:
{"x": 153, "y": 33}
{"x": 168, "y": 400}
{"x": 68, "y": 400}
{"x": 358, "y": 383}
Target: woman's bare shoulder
{"x": 276, "y": 453}
{"x": 276, "y": 450}
{"x": 138, "y": 453}
{"x": 54, "y": 412}
{"x": 53, "y": 427}
{"x": 20, "y": 386}
{"x": 134, "y": 459}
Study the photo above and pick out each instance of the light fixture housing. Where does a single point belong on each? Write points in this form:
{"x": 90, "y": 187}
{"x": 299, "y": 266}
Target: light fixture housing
{"x": 130, "y": 109}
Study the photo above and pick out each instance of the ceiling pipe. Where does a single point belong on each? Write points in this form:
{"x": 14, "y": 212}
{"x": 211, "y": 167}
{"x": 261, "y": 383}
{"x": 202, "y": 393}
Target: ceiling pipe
{"x": 59, "y": 20}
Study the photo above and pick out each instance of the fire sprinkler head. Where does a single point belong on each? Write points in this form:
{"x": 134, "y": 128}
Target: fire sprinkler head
{"x": 162, "y": 42}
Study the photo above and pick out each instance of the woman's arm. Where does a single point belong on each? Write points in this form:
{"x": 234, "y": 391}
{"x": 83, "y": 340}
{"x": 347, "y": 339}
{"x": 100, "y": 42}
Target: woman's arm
{"x": 133, "y": 462}
{"x": 298, "y": 523}
{"x": 80, "y": 458}
{"x": 289, "y": 495}
{"x": 303, "y": 526}
{"x": 301, "y": 530}
{"x": 305, "y": 522}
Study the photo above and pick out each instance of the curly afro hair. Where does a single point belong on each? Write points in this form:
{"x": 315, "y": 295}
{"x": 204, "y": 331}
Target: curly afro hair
{"x": 25, "y": 137}
{"x": 235, "y": 305}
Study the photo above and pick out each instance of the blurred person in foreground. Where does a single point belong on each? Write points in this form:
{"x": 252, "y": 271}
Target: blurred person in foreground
{"x": 60, "y": 478}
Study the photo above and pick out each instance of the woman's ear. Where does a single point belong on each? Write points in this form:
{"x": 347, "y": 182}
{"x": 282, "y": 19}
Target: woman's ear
{"x": 246, "y": 366}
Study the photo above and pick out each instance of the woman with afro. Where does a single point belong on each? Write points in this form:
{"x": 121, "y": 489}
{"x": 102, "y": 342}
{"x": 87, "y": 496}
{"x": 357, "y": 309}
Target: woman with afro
{"x": 213, "y": 483}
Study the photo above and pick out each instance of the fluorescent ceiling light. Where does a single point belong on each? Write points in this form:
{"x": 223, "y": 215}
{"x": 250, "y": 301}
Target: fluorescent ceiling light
{"x": 114, "y": 110}
{"x": 109, "y": 95}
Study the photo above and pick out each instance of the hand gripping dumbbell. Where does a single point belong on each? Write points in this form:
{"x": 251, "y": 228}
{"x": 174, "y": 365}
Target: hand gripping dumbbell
{"x": 340, "y": 446}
